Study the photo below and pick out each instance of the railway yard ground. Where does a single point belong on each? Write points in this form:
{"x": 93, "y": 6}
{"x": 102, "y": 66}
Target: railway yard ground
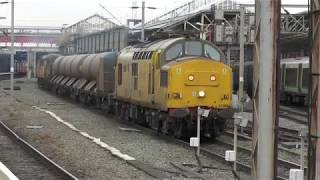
{"x": 93, "y": 145}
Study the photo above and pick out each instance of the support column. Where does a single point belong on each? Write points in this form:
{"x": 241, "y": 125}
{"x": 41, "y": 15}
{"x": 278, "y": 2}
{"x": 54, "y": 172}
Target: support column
{"x": 314, "y": 119}
{"x": 202, "y": 34}
{"x": 30, "y": 64}
{"x": 34, "y": 64}
{"x": 241, "y": 63}
{"x": 266, "y": 85}
{"x": 229, "y": 54}
{"x": 142, "y": 20}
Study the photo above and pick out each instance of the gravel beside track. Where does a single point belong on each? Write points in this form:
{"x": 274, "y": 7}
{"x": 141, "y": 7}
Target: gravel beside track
{"x": 22, "y": 163}
{"x": 287, "y": 159}
{"x": 80, "y": 156}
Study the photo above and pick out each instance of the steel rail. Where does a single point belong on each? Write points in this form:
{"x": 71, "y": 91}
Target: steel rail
{"x": 282, "y": 162}
{"x": 37, "y": 154}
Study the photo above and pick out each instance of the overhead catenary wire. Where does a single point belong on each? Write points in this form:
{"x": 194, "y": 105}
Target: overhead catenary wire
{"x": 110, "y": 13}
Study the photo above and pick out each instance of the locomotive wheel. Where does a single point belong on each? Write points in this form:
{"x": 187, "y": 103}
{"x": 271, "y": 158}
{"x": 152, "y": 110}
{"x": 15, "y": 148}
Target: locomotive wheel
{"x": 216, "y": 131}
{"x": 180, "y": 130}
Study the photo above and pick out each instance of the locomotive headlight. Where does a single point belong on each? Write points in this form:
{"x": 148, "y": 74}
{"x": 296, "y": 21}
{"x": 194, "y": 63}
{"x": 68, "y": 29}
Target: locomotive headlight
{"x": 191, "y": 77}
{"x": 213, "y": 78}
{"x": 201, "y": 93}
{"x": 176, "y": 95}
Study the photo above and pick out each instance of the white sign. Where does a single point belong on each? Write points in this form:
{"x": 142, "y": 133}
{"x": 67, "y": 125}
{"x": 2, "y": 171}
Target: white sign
{"x": 194, "y": 142}
{"x": 230, "y": 156}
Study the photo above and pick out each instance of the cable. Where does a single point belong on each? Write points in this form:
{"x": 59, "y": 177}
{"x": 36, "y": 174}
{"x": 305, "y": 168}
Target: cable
{"x": 110, "y": 13}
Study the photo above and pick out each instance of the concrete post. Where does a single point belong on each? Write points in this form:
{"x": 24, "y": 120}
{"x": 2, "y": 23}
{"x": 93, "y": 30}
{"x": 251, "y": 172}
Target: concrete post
{"x": 142, "y": 20}
{"x": 202, "y": 34}
{"x": 228, "y": 54}
{"x": 12, "y": 48}
{"x": 314, "y": 92}
{"x": 34, "y": 63}
{"x": 241, "y": 63}
{"x": 266, "y": 86}
{"x": 29, "y": 71}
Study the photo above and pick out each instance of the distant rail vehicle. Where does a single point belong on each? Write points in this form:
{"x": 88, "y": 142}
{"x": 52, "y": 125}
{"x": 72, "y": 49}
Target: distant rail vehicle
{"x": 294, "y": 79}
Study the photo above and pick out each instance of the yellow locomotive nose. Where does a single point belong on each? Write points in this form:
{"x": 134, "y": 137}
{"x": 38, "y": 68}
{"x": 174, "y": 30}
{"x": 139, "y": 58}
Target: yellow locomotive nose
{"x": 199, "y": 82}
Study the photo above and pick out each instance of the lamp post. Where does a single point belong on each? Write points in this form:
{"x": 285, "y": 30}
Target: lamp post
{"x": 143, "y": 7}
{"x": 12, "y": 41}
{"x": 12, "y": 47}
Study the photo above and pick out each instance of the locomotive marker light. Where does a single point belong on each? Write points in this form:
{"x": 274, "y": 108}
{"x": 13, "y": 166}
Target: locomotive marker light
{"x": 190, "y": 77}
{"x": 213, "y": 78}
{"x": 201, "y": 93}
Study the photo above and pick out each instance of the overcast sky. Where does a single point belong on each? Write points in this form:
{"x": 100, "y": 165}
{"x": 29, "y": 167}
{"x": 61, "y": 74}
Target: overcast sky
{"x": 59, "y": 12}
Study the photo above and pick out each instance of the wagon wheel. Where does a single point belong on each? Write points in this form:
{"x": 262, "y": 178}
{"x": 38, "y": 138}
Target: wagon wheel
{"x": 165, "y": 128}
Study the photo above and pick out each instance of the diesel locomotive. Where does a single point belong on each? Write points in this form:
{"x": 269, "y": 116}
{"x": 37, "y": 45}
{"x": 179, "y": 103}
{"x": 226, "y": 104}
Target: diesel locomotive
{"x": 159, "y": 84}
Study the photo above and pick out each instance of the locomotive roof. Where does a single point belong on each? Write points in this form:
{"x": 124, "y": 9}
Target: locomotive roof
{"x": 159, "y": 44}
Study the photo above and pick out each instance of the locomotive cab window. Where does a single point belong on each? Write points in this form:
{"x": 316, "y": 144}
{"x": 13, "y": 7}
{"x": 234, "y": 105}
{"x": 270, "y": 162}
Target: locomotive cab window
{"x": 211, "y": 52}
{"x": 174, "y": 52}
{"x": 193, "y": 48}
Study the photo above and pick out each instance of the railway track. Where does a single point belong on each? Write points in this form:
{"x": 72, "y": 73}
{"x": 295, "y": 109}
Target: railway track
{"x": 25, "y": 161}
{"x": 6, "y": 76}
{"x": 298, "y": 115}
{"x": 283, "y": 165}
{"x": 243, "y": 164}
{"x": 216, "y": 151}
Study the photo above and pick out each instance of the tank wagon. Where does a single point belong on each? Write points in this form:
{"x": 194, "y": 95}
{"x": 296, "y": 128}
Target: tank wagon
{"x": 159, "y": 84}
{"x": 44, "y": 68}
{"x": 294, "y": 79}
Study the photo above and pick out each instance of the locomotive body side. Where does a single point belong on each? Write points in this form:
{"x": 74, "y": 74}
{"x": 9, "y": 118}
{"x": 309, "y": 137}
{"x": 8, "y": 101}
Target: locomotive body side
{"x": 138, "y": 80}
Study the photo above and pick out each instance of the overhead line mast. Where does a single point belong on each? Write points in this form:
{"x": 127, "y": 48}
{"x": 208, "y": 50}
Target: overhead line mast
{"x": 314, "y": 119}
{"x": 266, "y": 89}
